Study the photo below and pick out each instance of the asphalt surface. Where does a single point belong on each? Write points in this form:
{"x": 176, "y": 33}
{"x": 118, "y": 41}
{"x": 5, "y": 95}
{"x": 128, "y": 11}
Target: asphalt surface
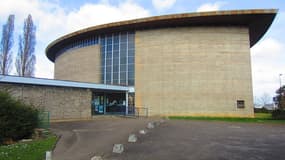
{"x": 82, "y": 140}
{"x": 174, "y": 139}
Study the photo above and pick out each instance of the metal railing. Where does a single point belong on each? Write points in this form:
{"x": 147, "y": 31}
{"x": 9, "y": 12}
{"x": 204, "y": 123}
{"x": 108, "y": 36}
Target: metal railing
{"x": 44, "y": 120}
{"x": 137, "y": 111}
{"x": 141, "y": 111}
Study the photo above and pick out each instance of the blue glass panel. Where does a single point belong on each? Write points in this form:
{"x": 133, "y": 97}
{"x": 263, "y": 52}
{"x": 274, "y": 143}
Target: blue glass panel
{"x": 123, "y": 60}
{"x": 131, "y": 75}
{"x": 123, "y": 68}
{"x": 108, "y": 68}
{"x": 131, "y": 36}
{"x": 131, "y": 68}
{"x": 122, "y": 77}
{"x": 108, "y": 81}
{"x": 115, "y": 75}
{"x": 131, "y": 60}
{"x": 115, "y": 81}
{"x": 131, "y": 53}
{"x": 115, "y": 61}
{"x": 109, "y": 48}
{"x": 115, "y": 68}
{"x": 102, "y": 40}
{"x": 123, "y": 46}
{"x": 123, "y": 38}
{"x": 116, "y": 38}
{"x": 115, "y": 54}
{"x": 109, "y": 61}
{"x": 131, "y": 46}
{"x": 108, "y": 76}
{"x": 109, "y": 40}
{"x": 116, "y": 47}
{"x": 131, "y": 82}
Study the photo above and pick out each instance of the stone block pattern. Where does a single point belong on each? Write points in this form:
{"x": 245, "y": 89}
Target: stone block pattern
{"x": 63, "y": 103}
{"x": 81, "y": 64}
{"x": 197, "y": 71}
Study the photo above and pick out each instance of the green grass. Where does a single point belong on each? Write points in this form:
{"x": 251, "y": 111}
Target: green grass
{"x": 34, "y": 150}
{"x": 259, "y": 118}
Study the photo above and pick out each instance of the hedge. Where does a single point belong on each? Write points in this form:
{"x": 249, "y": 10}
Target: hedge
{"x": 17, "y": 119}
{"x": 278, "y": 114}
{"x": 261, "y": 110}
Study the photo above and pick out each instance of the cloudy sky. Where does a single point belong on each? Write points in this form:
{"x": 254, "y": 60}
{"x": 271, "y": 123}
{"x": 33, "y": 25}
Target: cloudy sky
{"x": 55, "y": 18}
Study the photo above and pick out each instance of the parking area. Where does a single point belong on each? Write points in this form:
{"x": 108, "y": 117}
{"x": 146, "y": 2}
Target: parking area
{"x": 84, "y": 139}
{"x": 174, "y": 139}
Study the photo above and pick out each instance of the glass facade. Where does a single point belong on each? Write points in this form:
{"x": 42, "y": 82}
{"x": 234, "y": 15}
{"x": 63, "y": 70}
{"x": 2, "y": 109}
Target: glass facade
{"x": 117, "y": 56}
{"x": 78, "y": 44}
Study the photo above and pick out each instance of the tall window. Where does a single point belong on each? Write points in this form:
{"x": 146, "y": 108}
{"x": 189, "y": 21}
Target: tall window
{"x": 117, "y": 58}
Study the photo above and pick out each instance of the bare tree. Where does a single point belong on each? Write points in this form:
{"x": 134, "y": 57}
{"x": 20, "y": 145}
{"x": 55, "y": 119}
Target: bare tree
{"x": 25, "y": 61}
{"x": 6, "y": 45}
{"x": 264, "y": 99}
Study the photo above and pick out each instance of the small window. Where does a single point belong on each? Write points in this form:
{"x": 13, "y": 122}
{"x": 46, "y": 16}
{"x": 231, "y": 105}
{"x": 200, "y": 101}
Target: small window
{"x": 240, "y": 104}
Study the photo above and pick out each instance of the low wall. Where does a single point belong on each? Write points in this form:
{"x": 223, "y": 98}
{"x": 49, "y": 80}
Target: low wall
{"x": 63, "y": 103}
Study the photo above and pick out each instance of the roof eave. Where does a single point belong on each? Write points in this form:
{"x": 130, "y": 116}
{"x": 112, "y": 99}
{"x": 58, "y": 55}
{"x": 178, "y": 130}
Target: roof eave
{"x": 258, "y": 22}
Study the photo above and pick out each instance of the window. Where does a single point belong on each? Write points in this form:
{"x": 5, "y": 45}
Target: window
{"x": 117, "y": 50}
{"x": 240, "y": 104}
{"x": 131, "y": 60}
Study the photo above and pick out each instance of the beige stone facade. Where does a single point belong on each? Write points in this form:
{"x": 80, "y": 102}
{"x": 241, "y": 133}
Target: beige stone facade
{"x": 81, "y": 64}
{"x": 200, "y": 71}
{"x": 63, "y": 103}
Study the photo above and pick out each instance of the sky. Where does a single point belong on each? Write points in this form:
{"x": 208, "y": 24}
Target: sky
{"x": 55, "y": 18}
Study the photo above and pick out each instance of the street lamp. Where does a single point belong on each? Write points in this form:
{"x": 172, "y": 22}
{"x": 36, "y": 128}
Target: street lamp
{"x": 280, "y": 75}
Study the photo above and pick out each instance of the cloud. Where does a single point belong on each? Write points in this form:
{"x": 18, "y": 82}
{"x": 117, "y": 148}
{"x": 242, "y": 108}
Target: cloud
{"x": 163, "y": 4}
{"x": 267, "y": 63}
{"x": 94, "y": 14}
{"x": 210, "y": 6}
{"x": 53, "y": 21}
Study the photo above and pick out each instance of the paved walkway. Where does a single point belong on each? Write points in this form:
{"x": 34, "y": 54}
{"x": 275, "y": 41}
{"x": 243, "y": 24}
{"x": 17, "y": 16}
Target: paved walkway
{"x": 174, "y": 139}
{"x": 82, "y": 140}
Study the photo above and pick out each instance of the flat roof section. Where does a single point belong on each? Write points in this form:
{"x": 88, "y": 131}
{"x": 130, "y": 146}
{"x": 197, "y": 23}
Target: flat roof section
{"x": 258, "y": 20}
{"x": 60, "y": 83}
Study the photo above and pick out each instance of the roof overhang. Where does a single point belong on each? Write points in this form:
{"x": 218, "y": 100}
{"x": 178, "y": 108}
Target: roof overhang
{"x": 258, "y": 21}
{"x": 61, "y": 83}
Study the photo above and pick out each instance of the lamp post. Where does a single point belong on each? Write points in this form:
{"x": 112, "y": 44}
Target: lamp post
{"x": 280, "y": 75}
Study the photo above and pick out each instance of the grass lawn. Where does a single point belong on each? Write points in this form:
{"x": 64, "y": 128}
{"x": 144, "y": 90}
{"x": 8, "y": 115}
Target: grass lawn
{"x": 34, "y": 150}
{"x": 259, "y": 118}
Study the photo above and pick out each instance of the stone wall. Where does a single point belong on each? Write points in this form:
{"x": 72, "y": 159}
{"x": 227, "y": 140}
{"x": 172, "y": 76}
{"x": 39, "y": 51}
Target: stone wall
{"x": 81, "y": 64}
{"x": 198, "y": 71}
{"x": 63, "y": 103}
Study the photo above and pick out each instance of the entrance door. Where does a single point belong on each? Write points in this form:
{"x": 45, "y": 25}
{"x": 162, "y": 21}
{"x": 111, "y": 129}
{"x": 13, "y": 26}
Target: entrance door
{"x": 108, "y": 103}
{"x": 116, "y": 103}
{"x": 98, "y": 104}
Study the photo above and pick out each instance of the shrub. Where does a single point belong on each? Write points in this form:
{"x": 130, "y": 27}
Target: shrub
{"x": 17, "y": 120}
{"x": 278, "y": 114}
{"x": 261, "y": 110}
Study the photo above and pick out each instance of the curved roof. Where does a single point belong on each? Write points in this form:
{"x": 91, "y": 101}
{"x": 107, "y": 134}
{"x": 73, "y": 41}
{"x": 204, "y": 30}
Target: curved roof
{"x": 258, "y": 21}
